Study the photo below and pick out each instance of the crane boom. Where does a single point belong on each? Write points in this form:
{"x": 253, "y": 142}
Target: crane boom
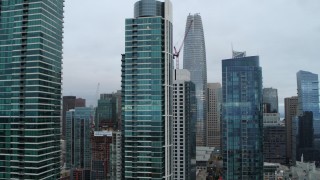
{"x": 176, "y": 53}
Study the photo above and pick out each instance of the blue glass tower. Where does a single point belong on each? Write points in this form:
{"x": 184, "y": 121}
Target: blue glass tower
{"x": 194, "y": 60}
{"x": 30, "y": 88}
{"x": 308, "y": 99}
{"x": 308, "y": 96}
{"x": 242, "y": 120}
{"x": 147, "y": 92}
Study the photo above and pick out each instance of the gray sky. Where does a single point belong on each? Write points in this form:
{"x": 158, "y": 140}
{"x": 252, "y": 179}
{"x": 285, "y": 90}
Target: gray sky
{"x": 284, "y": 33}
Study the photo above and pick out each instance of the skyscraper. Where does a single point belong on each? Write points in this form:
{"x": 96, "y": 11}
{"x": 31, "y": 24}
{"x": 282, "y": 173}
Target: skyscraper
{"x": 290, "y": 108}
{"x": 106, "y": 115}
{"x": 214, "y": 100}
{"x": 78, "y": 133}
{"x": 69, "y": 102}
{"x": 194, "y": 60}
{"x": 305, "y": 138}
{"x": 308, "y": 100}
{"x": 184, "y": 112}
{"x": 242, "y": 123}
{"x": 274, "y": 143}
{"x": 147, "y": 91}
{"x": 30, "y": 88}
{"x": 270, "y": 98}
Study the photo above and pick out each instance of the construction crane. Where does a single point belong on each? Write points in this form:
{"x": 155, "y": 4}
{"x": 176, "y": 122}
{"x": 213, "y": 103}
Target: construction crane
{"x": 176, "y": 53}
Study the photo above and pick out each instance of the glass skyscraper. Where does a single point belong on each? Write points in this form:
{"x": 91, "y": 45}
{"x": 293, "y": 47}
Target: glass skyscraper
{"x": 194, "y": 60}
{"x": 78, "y": 131}
{"x": 270, "y": 99}
{"x": 308, "y": 96}
{"x": 30, "y": 88}
{"x": 147, "y": 91}
{"x": 242, "y": 121}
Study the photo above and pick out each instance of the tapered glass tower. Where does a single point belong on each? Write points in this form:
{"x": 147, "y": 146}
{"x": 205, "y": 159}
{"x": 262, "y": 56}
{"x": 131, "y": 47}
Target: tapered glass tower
{"x": 194, "y": 60}
{"x": 242, "y": 121}
{"x": 30, "y": 88}
{"x": 147, "y": 92}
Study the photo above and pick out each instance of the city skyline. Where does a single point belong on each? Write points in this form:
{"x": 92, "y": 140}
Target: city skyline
{"x": 278, "y": 39}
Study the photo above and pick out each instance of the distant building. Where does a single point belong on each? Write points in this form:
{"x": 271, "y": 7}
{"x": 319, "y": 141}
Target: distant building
{"x": 203, "y": 156}
{"x": 305, "y": 138}
{"x": 242, "y": 118}
{"x": 69, "y": 102}
{"x": 78, "y": 146}
{"x": 270, "y": 98}
{"x": 107, "y": 112}
{"x": 271, "y": 118}
{"x": 308, "y": 100}
{"x": 184, "y": 119}
{"x": 291, "y": 107}
{"x": 106, "y": 155}
{"x": 116, "y": 156}
{"x": 274, "y": 143}
{"x": 194, "y": 60}
{"x": 214, "y": 100}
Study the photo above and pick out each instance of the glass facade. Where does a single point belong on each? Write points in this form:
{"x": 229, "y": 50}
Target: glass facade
{"x": 270, "y": 98}
{"x": 194, "y": 60}
{"x": 147, "y": 94}
{"x": 30, "y": 88}
{"x": 242, "y": 121}
{"x": 106, "y": 115}
{"x": 78, "y": 131}
{"x": 308, "y": 97}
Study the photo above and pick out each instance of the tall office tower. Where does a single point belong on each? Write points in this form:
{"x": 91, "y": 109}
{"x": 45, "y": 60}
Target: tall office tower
{"x": 30, "y": 88}
{"x": 194, "y": 60}
{"x": 78, "y": 128}
{"x": 184, "y": 113}
{"x": 147, "y": 92}
{"x": 305, "y": 138}
{"x": 214, "y": 100}
{"x": 270, "y": 98}
{"x": 106, "y": 115}
{"x": 69, "y": 102}
{"x": 308, "y": 100}
{"x": 242, "y": 123}
{"x": 290, "y": 108}
{"x": 274, "y": 143}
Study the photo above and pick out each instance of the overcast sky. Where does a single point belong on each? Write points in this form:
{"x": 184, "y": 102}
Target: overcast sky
{"x": 284, "y": 33}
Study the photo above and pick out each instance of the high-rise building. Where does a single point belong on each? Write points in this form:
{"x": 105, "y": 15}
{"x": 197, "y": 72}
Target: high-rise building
{"x": 116, "y": 156}
{"x": 308, "y": 100}
{"x": 242, "y": 121}
{"x": 147, "y": 92}
{"x": 270, "y": 98}
{"x": 305, "y": 138}
{"x": 214, "y": 100}
{"x": 106, "y": 160}
{"x": 290, "y": 108}
{"x": 69, "y": 102}
{"x": 194, "y": 60}
{"x": 78, "y": 134}
{"x": 106, "y": 115}
{"x": 184, "y": 113}
{"x": 30, "y": 88}
{"x": 274, "y": 143}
